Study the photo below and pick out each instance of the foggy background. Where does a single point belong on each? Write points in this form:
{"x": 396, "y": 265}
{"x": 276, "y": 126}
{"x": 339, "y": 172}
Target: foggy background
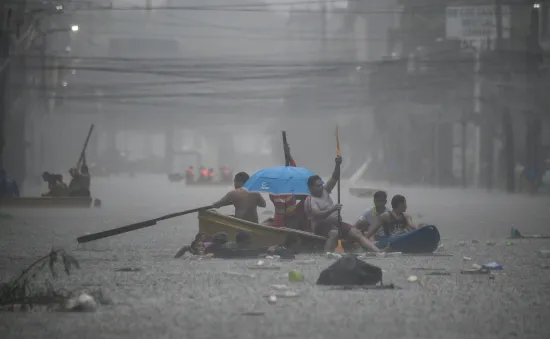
{"x": 430, "y": 93}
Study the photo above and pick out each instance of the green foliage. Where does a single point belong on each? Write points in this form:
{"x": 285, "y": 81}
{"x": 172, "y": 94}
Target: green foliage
{"x": 34, "y": 285}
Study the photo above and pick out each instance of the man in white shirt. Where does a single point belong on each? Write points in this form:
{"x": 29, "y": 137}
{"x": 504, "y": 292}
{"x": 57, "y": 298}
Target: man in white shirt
{"x": 370, "y": 217}
{"x": 323, "y": 213}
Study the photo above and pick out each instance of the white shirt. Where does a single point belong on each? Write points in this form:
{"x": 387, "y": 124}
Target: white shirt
{"x": 371, "y": 216}
{"x": 322, "y": 203}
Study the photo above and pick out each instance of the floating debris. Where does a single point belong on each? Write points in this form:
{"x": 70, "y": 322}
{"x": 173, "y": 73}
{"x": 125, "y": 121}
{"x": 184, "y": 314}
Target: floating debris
{"x": 475, "y": 271}
{"x": 295, "y": 276}
{"x": 253, "y": 314}
{"x": 272, "y": 299}
{"x": 440, "y": 273}
{"x": 333, "y": 255}
{"x": 237, "y": 274}
{"x": 83, "y": 303}
{"x": 394, "y": 254}
{"x": 412, "y": 278}
{"x": 492, "y": 266}
{"x": 264, "y": 267}
{"x": 129, "y": 269}
{"x": 287, "y": 294}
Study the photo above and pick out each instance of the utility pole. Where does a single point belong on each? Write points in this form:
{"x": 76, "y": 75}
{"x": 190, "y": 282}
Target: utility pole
{"x": 5, "y": 19}
{"x": 463, "y": 149}
{"x": 533, "y": 59}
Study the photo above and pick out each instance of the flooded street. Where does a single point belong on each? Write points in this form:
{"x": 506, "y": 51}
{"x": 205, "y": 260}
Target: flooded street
{"x": 189, "y": 298}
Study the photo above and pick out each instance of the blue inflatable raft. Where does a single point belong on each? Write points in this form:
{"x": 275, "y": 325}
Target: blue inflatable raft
{"x": 423, "y": 240}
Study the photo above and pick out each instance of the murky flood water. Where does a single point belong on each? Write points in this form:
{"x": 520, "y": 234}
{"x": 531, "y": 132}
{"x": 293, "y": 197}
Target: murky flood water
{"x": 210, "y": 298}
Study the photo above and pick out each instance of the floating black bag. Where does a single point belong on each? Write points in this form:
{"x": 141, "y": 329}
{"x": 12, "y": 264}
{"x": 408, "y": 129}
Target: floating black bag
{"x": 350, "y": 271}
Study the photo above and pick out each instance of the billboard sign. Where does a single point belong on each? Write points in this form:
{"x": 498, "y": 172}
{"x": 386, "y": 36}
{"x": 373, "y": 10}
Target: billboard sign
{"x": 479, "y": 23}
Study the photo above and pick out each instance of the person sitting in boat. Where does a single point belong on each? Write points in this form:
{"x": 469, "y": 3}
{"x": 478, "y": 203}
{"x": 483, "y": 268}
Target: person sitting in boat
{"x": 8, "y": 186}
{"x": 203, "y": 174}
{"x": 323, "y": 213}
{"x": 211, "y": 174}
{"x": 286, "y": 205}
{"x": 226, "y": 173}
{"x": 79, "y": 186}
{"x": 370, "y": 216}
{"x": 56, "y": 186}
{"x": 246, "y": 203}
{"x": 190, "y": 174}
{"x": 393, "y": 222}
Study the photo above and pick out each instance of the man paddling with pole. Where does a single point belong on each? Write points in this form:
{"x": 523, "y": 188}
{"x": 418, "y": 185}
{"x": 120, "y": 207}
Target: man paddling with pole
{"x": 325, "y": 215}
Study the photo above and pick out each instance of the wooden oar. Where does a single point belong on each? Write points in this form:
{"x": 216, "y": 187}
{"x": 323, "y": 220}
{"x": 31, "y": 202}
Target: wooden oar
{"x": 285, "y": 146}
{"x": 136, "y": 226}
{"x": 339, "y": 174}
{"x": 83, "y": 153}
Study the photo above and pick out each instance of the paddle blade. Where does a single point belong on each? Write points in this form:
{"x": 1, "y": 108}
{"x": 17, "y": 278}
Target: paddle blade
{"x": 115, "y": 231}
{"x": 337, "y": 143}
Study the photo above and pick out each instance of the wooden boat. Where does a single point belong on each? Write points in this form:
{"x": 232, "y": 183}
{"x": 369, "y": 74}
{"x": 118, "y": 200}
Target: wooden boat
{"x": 211, "y": 222}
{"x": 46, "y": 202}
{"x": 362, "y": 192}
{"x": 177, "y": 177}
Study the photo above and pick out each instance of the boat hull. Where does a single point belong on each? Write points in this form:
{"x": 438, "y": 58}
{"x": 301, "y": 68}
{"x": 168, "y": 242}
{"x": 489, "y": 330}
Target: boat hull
{"x": 46, "y": 202}
{"x": 211, "y": 222}
{"x": 423, "y": 240}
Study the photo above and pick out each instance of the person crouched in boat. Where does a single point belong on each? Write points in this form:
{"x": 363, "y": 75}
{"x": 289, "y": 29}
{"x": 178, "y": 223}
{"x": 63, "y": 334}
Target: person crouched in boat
{"x": 203, "y": 174}
{"x": 211, "y": 174}
{"x": 286, "y": 205}
{"x": 226, "y": 173}
{"x": 218, "y": 243}
{"x": 190, "y": 174}
{"x": 394, "y": 222}
{"x": 246, "y": 203}
{"x": 323, "y": 213}
{"x": 79, "y": 186}
{"x": 8, "y": 186}
{"x": 56, "y": 186}
{"x": 369, "y": 218}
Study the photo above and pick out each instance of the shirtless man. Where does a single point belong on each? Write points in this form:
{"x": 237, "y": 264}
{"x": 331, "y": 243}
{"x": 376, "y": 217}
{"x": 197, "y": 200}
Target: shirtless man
{"x": 393, "y": 222}
{"x": 246, "y": 203}
{"x": 323, "y": 213}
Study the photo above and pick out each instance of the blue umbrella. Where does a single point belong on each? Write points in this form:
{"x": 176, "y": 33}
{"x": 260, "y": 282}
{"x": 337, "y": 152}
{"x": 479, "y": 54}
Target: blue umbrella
{"x": 280, "y": 180}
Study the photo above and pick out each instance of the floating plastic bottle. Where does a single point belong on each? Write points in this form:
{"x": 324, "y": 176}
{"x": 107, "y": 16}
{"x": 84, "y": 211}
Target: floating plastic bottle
{"x": 295, "y": 276}
{"x": 272, "y": 299}
{"x": 492, "y": 266}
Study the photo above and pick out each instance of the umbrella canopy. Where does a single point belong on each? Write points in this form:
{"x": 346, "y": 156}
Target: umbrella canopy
{"x": 280, "y": 180}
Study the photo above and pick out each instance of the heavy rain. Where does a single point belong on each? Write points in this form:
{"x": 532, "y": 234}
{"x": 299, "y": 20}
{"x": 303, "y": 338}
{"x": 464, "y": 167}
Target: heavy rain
{"x": 274, "y": 169}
